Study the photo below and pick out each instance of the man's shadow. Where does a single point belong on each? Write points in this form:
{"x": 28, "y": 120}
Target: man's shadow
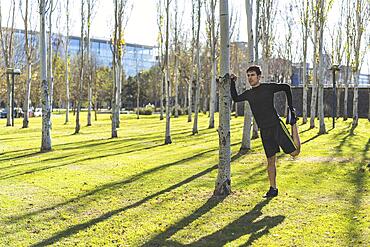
{"x": 246, "y": 224}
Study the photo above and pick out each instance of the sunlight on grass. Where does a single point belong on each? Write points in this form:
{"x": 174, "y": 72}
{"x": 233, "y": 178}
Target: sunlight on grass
{"x": 136, "y": 191}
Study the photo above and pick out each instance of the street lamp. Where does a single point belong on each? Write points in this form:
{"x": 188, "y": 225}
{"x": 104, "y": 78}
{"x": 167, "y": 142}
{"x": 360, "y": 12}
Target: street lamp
{"x": 13, "y": 72}
{"x": 334, "y": 67}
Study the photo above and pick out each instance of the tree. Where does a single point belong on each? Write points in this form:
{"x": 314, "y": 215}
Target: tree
{"x": 321, "y": 21}
{"x": 29, "y": 48}
{"x": 46, "y": 111}
{"x": 305, "y": 25}
{"x": 82, "y": 64}
{"x": 223, "y": 182}
{"x": 66, "y": 57}
{"x": 51, "y": 8}
{"x": 362, "y": 17}
{"x": 213, "y": 37}
{"x": 246, "y": 140}
{"x": 6, "y": 36}
{"x": 190, "y": 81}
{"x": 161, "y": 55}
{"x": 167, "y": 77}
{"x": 120, "y": 22}
{"x": 90, "y": 8}
{"x": 197, "y": 82}
{"x": 315, "y": 15}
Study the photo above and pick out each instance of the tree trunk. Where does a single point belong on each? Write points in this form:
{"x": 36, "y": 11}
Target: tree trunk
{"x": 80, "y": 85}
{"x": 66, "y": 61}
{"x": 223, "y": 182}
{"x": 355, "y": 101}
{"x": 46, "y": 125}
{"x": 213, "y": 41}
{"x": 314, "y": 79}
{"x": 27, "y": 96}
{"x": 167, "y": 78}
{"x": 50, "y": 56}
{"x": 322, "y": 129}
{"x": 304, "y": 75}
{"x": 197, "y": 84}
{"x": 9, "y": 115}
{"x": 88, "y": 64}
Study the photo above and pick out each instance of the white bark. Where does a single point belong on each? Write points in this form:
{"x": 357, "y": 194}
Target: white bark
{"x": 82, "y": 64}
{"x": 314, "y": 77}
{"x": 46, "y": 112}
{"x": 305, "y": 28}
{"x": 223, "y": 182}
{"x": 246, "y": 140}
{"x": 176, "y": 57}
{"x": 88, "y": 62}
{"x": 321, "y": 115}
{"x": 50, "y": 55}
{"x": 167, "y": 78}
{"x": 213, "y": 42}
{"x": 66, "y": 62}
{"x": 197, "y": 83}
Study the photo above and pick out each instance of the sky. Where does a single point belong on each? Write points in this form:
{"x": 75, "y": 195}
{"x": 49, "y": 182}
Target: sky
{"x": 142, "y": 24}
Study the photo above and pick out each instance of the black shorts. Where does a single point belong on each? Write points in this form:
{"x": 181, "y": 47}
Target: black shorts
{"x": 275, "y": 137}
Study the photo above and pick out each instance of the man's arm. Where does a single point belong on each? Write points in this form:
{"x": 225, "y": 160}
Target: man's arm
{"x": 234, "y": 93}
{"x": 286, "y": 88}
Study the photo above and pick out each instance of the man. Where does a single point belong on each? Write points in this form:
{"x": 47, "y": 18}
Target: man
{"x": 274, "y": 134}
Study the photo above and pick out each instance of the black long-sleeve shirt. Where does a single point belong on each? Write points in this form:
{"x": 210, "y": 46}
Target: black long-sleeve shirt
{"x": 261, "y": 100}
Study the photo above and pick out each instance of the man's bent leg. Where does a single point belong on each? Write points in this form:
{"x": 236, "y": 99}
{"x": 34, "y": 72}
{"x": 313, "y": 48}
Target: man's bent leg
{"x": 271, "y": 170}
{"x": 296, "y": 140}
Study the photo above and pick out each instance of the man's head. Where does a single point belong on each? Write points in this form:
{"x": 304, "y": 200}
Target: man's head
{"x": 254, "y": 75}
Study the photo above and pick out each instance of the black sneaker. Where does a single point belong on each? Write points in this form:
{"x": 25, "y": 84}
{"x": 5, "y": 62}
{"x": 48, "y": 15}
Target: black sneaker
{"x": 291, "y": 117}
{"x": 271, "y": 193}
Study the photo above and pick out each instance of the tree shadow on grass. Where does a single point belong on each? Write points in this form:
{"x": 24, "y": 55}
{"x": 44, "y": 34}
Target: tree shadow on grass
{"x": 250, "y": 223}
{"x": 76, "y": 228}
{"x": 115, "y": 185}
{"x": 162, "y": 238}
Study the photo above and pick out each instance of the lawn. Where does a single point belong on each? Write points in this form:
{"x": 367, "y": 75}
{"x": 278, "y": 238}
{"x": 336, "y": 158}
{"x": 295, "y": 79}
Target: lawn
{"x": 92, "y": 190}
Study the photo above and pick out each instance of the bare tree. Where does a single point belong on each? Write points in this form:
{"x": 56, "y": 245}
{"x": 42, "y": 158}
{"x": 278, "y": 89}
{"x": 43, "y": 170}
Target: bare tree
{"x": 190, "y": 82}
{"x": 167, "y": 77}
{"x": 160, "y": 23}
{"x": 315, "y": 15}
{"x": 256, "y": 58}
{"x": 213, "y": 37}
{"x": 121, "y": 17}
{"x": 197, "y": 83}
{"x": 82, "y": 64}
{"x": 90, "y": 8}
{"x": 66, "y": 61}
{"x": 223, "y": 182}
{"x": 321, "y": 20}
{"x": 51, "y": 10}
{"x": 305, "y": 24}
{"x": 362, "y": 16}
{"x": 6, "y": 36}
{"x": 46, "y": 111}
{"x": 29, "y": 48}
{"x": 246, "y": 140}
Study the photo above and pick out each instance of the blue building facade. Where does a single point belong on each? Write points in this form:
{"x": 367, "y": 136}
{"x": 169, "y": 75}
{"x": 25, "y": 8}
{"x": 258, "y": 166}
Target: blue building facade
{"x": 136, "y": 57}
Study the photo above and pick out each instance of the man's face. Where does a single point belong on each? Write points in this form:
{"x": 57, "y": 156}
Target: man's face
{"x": 253, "y": 78}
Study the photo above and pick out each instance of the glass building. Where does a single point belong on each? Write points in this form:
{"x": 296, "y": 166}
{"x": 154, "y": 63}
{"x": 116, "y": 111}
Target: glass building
{"x": 136, "y": 57}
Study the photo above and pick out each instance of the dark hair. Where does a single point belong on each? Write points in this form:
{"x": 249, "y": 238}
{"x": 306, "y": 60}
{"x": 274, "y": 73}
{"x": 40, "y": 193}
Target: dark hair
{"x": 255, "y": 68}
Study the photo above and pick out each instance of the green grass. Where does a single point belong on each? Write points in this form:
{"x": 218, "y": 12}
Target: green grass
{"x": 134, "y": 190}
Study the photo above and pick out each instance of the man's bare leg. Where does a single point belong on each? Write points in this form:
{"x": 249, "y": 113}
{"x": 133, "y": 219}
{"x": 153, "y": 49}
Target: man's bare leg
{"x": 271, "y": 170}
{"x": 296, "y": 140}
